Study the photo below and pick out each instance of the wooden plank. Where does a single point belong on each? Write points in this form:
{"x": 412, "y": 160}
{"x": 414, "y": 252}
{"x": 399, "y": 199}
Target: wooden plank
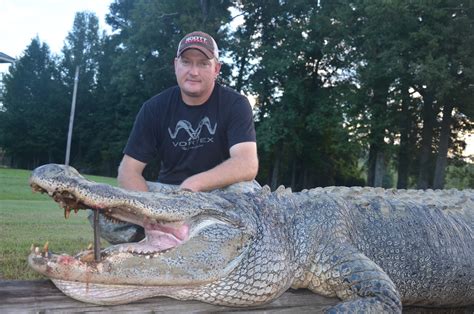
{"x": 41, "y": 296}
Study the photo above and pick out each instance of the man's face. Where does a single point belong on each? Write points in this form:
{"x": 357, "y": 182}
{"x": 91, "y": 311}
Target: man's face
{"x": 196, "y": 74}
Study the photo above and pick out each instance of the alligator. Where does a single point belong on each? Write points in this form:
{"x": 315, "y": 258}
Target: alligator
{"x": 375, "y": 249}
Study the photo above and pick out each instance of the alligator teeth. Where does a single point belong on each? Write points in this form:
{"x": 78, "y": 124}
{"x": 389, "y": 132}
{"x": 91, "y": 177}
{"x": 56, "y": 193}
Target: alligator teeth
{"x": 89, "y": 247}
{"x": 45, "y": 252}
{"x": 124, "y": 249}
{"x": 137, "y": 249}
{"x": 112, "y": 219}
{"x": 37, "y": 250}
{"x": 46, "y": 247}
{"x": 87, "y": 258}
{"x": 67, "y": 212}
{"x": 140, "y": 251}
{"x": 32, "y": 248}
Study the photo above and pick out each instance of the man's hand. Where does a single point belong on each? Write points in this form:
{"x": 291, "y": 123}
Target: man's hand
{"x": 192, "y": 184}
{"x": 241, "y": 166}
{"x": 130, "y": 174}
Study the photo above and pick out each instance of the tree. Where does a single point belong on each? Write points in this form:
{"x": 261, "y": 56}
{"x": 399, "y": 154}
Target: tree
{"x": 457, "y": 98}
{"x": 335, "y": 83}
{"x": 443, "y": 68}
{"x": 30, "y": 128}
{"x": 82, "y": 49}
{"x": 399, "y": 51}
{"x": 300, "y": 120}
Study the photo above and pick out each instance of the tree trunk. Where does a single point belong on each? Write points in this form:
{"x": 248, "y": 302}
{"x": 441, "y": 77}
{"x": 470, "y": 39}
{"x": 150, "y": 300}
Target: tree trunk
{"x": 426, "y": 141}
{"x": 293, "y": 174}
{"x": 378, "y": 107}
{"x": 240, "y": 77}
{"x": 204, "y": 9}
{"x": 305, "y": 178}
{"x": 379, "y": 168}
{"x": 371, "y": 165}
{"x": 275, "y": 171}
{"x": 376, "y": 166}
{"x": 442, "y": 158}
{"x": 404, "y": 149}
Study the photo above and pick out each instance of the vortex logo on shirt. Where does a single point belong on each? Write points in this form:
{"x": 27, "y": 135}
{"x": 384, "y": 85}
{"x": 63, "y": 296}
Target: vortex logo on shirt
{"x": 195, "y": 140}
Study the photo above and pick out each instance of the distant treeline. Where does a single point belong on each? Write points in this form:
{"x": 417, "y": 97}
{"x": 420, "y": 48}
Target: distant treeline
{"x": 347, "y": 92}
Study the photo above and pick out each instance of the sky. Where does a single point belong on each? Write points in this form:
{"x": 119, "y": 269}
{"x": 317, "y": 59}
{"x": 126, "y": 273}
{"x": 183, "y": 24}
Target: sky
{"x": 51, "y": 21}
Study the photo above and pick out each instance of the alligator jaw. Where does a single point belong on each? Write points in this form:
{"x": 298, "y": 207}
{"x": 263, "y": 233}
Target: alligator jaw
{"x": 101, "y": 294}
{"x": 127, "y": 273}
{"x": 88, "y": 291}
{"x": 72, "y": 191}
{"x": 183, "y": 247}
{"x": 200, "y": 259}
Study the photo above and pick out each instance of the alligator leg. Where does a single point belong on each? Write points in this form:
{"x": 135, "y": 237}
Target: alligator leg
{"x": 357, "y": 280}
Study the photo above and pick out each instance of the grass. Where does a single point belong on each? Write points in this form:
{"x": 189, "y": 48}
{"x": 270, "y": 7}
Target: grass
{"x": 32, "y": 218}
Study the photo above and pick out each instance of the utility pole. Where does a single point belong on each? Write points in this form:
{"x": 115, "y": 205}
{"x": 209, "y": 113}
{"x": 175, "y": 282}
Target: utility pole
{"x": 68, "y": 152}
{"x": 71, "y": 117}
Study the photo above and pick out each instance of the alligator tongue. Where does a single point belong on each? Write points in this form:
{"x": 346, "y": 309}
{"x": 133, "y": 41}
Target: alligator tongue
{"x": 162, "y": 236}
{"x": 165, "y": 236}
{"x": 156, "y": 241}
{"x": 160, "y": 240}
{"x": 158, "y": 237}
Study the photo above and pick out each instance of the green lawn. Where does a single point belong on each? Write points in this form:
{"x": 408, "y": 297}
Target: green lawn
{"x": 32, "y": 218}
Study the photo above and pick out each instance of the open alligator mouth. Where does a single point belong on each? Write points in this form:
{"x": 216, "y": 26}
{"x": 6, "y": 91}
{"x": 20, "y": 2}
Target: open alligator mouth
{"x": 160, "y": 236}
{"x": 189, "y": 237}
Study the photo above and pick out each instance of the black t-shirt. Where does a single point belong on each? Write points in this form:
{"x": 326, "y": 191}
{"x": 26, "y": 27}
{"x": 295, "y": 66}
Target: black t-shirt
{"x": 190, "y": 139}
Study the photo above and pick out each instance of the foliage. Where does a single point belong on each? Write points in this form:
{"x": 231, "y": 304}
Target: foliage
{"x": 33, "y": 104}
{"x": 335, "y": 82}
{"x": 300, "y": 116}
{"x": 82, "y": 50}
{"x": 460, "y": 175}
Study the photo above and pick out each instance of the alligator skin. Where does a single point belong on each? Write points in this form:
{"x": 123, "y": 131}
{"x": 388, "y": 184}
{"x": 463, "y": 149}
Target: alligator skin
{"x": 374, "y": 249}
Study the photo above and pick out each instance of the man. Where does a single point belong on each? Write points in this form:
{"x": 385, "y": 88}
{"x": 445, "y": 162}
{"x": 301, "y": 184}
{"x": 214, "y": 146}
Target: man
{"x": 202, "y": 132}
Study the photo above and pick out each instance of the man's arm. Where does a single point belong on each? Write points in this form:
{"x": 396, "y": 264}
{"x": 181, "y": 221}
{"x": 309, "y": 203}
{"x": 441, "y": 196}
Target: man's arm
{"x": 241, "y": 166}
{"x": 130, "y": 174}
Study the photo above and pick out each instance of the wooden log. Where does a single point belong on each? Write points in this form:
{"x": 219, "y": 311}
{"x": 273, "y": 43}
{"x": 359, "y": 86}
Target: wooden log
{"x": 41, "y": 296}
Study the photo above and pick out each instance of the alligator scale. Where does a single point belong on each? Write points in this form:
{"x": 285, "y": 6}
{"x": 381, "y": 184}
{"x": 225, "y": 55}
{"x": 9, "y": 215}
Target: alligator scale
{"x": 374, "y": 249}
